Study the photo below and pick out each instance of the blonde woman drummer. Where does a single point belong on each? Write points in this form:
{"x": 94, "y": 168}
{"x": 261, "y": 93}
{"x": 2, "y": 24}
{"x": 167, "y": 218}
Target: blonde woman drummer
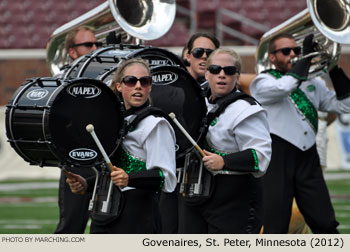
{"x": 145, "y": 162}
{"x": 238, "y": 148}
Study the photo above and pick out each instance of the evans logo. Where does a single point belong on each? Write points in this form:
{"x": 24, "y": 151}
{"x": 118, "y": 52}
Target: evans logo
{"x": 37, "y": 94}
{"x": 84, "y": 90}
{"x": 164, "y": 78}
{"x": 83, "y": 154}
{"x": 157, "y": 60}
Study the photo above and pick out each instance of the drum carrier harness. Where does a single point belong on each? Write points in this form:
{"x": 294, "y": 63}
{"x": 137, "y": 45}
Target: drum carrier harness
{"x": 107, "y": 200}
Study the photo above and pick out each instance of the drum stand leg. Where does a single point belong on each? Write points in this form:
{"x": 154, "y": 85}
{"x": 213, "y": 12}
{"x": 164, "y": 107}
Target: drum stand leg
{"x": 92, "y": 201}
{"x": 179, "y": 174}
{"x": 184, "y": 176}
{"x": 106, "y": 204}
{"x": 198, "y": 186}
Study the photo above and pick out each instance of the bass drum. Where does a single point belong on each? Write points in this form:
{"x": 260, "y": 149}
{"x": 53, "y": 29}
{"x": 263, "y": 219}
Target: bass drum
{"x": 175, "y": 90}
{"x": 102, "y": 63}
{"x": 46, "y": 121}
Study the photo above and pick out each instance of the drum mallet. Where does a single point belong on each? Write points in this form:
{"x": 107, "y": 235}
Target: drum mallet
{"x": 173, "y": 117}
{"x": 198, "y": 185}
{"x": 90, "y": 129}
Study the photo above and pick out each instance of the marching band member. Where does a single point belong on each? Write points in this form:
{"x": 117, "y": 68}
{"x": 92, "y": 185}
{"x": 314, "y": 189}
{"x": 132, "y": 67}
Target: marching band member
{"x": 73, "y": 208}
{"x": 194, "y": 55}
{"x": 199, "y": 47}
{"x": 238, "y": 148}
{"x": 145, "y": 161}
{"x": 292, "y": 101}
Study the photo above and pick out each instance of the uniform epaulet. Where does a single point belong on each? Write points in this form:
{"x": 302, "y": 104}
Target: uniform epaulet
{"x": 221, "y": 104}
{"x": 143, "y": 113}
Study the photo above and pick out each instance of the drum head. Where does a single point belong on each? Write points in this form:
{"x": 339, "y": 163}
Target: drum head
{"x": 175, "y": 90}
{"x": 78, "y": 103}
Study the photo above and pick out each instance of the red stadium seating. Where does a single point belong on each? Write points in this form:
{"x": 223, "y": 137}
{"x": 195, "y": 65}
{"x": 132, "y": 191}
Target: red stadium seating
{"x": 29, "y": 23}
{"x": 176, "y": 36}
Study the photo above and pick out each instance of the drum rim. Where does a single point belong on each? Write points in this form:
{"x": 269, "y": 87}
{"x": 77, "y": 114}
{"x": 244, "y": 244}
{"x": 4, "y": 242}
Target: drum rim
{"x": 134, "y": 50}
{"x": 90, "y": 57}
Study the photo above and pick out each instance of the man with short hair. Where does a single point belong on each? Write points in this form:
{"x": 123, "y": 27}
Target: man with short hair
{"x": 292, "y": 100}
{"x": 81, "y": 41}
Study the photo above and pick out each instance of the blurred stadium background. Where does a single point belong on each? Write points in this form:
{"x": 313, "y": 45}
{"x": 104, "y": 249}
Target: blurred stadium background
{"x": 28, "y": 194}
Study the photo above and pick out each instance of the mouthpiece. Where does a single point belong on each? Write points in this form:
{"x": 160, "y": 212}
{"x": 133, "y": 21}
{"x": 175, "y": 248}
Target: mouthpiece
{"x": 89, "y": 128}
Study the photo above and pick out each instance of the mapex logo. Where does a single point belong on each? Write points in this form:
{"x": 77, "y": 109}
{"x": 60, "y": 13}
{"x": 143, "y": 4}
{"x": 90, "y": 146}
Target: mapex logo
{"x": 83, "y": 154}
{"x": 164, "y": 78}
{"x": 37, "y": 94}
{"x": 84, "y": 90}
{"x": 157, "y": 61}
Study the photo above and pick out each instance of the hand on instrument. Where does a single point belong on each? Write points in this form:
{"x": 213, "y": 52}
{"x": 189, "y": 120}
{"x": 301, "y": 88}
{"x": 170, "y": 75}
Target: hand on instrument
{"x": 76, "y": 183}
{"x": 301, "y": 68}
{"x": 308, "y": 45}
{"x": 212, "y": 161}
{"x": 119, "y": 177}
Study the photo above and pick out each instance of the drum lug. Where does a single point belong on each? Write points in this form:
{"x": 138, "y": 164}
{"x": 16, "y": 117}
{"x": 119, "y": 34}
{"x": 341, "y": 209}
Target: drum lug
{"x": 40, "y": 82}
{"x": 11, "y": 106}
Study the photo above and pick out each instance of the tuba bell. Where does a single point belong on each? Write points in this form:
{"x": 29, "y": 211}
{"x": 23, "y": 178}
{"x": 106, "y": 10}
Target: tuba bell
{"x": 133, "y": 20}
{"x": 328, "y": 20}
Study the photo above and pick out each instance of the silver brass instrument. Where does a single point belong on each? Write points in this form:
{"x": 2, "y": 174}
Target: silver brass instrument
{"x": 328, "y": 20}
{"x": 134, "y": 20}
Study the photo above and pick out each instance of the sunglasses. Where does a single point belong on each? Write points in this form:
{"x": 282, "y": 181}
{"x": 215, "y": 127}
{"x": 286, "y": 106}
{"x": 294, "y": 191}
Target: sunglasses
{"x": 286, "y": 51}
{"x": 131, "y": 81}
{"x": 228, "y": 70}
{"x": 198, "y": 52}
{"x": 89, "y": 44}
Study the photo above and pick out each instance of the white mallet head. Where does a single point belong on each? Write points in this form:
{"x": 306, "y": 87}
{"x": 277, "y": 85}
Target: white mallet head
{"x": 89, "y": 128}
{"x": 172, "y": 115}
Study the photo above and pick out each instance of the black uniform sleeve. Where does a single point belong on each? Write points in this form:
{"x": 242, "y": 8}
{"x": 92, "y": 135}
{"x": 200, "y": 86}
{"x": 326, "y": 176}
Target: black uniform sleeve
{"x": 341, "y": 83}
{"x": 243, "y": 161}
{"x": 150, "y": 179}
{"x": 300, "y": 70}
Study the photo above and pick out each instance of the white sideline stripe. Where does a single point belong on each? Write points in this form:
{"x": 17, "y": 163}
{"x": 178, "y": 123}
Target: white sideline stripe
{"x": 21, "y": 227}
{"x": 3, "y": 205}
{"x": 344, "y": 208}
{"x": 27, "y": 222}
{"x": 336, "y": 176}
{"x": 14, "y": 200}
{"x": 27, "y": 186}
{"x": 342, "y": 215}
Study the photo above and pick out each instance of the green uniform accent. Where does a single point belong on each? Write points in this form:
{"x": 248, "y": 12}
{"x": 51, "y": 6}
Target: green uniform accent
{"x": 301, "y": 101}
{"x": 131, "y": 164}
{"x": 256, "y": 159}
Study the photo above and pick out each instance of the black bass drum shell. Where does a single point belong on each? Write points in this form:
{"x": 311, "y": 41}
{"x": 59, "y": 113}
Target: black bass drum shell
{"x": 175, "y": 90}
{"x": 46, "y": 121}
{"x": 102, "y": 63}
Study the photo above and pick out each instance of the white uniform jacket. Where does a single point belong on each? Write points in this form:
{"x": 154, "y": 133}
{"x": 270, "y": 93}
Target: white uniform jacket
{"x": 153, "y": 142}
{"x": 239, "y": 127}
{"x": 285, "y": 119}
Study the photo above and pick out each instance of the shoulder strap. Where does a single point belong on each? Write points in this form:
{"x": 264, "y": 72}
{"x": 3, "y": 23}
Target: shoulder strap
{"x": 143, "y": 113}
{"x": 221, "y": 104}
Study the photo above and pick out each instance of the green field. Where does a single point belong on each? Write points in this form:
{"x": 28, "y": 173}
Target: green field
{"x": 35, "y": 211}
